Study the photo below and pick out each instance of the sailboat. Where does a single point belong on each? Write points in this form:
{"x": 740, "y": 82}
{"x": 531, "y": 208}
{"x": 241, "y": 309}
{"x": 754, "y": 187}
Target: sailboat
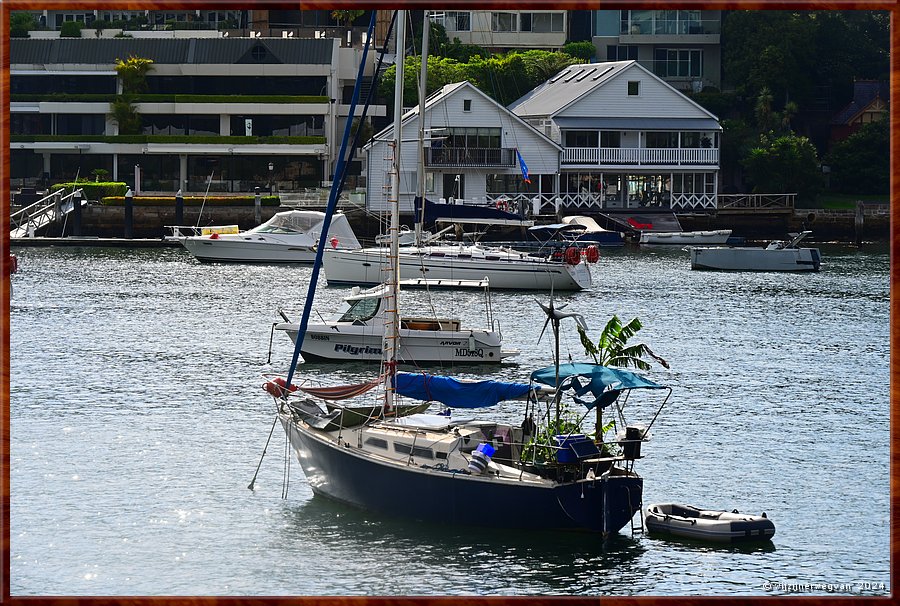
{"x": 505, "y": 267}
{"x": 454, "y": 469}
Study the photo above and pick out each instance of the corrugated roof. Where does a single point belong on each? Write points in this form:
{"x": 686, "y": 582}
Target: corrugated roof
{"x": 565, "y": 87}
{"x": 198, "y": 51}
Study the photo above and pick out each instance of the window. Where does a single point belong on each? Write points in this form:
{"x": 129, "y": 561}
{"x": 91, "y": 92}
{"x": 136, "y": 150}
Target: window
{"x": 376, "y": 442}
{"x": 610, "y": 138}
{"x": 482, "y": 137}
{"x": 417, "y": 451}
{"x": 361, "y": 309}
{"x": 621, "y": 52}
{"x": 461, "y": 21}
{"x": 504, "y": 22}
{"x": 581, "y": 138}
{"x": 634, "y": 88}
{"x": 542, "y": 22}
{"x": 467, "y": 105}
{"x": 658, "y": 140}
{"x": 674, "y": 63}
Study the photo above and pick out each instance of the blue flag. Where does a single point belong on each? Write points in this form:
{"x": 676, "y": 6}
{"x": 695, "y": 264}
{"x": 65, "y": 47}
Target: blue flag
{"x": 523, "y": 167}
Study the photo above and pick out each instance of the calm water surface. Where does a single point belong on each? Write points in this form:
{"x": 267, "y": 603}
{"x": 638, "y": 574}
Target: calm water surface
{"x": 138, "y": 422}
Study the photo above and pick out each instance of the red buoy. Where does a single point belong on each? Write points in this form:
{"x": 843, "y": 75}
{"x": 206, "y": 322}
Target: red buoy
{"x": 278, "y": 387}
{"x": 592, "y": 254}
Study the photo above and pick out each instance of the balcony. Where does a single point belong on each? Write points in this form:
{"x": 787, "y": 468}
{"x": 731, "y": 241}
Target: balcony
{"x": 478, "y": 157}
{"x": 639, "y": 156}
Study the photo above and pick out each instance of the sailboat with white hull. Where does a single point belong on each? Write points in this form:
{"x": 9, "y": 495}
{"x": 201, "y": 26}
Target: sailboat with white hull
{"x": 446, "y": 468}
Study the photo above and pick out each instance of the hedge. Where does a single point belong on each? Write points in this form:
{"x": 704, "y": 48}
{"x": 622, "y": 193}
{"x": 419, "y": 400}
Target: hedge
{"x": 204, "y": 139}
{"x": 192, "y": 201}
{"x": 92, "y": 189}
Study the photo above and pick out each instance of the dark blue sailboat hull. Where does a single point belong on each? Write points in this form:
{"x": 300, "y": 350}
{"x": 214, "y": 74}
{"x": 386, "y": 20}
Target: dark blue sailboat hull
{"x": 343, "y": 473}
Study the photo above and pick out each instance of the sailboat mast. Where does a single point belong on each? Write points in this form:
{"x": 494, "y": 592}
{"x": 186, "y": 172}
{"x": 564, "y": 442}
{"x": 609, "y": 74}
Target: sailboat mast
{"x": 392, "y": 321}
{"x": 420, "y": 190}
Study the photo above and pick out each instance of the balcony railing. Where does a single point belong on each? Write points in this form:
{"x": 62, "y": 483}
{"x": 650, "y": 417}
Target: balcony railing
{"x": 660, "y": 27}
{"x": 470, "y": 156}
{"x": 641, "y": 156}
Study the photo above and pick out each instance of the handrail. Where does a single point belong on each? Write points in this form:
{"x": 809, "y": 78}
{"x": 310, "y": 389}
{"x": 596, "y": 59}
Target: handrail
{"x": 29, "y": 217}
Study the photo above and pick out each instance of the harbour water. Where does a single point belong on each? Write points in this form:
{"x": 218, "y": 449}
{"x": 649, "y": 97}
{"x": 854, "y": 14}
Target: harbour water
{"x": 137, "y": 422}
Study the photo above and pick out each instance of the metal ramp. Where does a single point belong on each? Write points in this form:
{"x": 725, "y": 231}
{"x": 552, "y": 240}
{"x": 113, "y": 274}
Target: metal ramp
{"x": 46, "y": 211}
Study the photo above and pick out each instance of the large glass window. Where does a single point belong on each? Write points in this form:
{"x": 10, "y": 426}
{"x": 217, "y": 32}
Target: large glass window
{"x": 29, "y": 124}
{"x": 511, "y": 184}
{"x": 229, "y": 85}
{"x": 80, "y": 124}
{"x": 662, "y": 139}
{"x": 179, "y": 124}
{"x": 581, "y": 138}
{"x": 460, "y": 21}
{"x": 621, "y": 52}
{"x": 58, "y": 83}
{"x": 504, "y": 22}
{"x": 280, "y": 126}
{"x": 610, "y": 138}
{"x": 543, "y": 22}
{"x": 472, "y": 136}
{"x": 671, "y": 63}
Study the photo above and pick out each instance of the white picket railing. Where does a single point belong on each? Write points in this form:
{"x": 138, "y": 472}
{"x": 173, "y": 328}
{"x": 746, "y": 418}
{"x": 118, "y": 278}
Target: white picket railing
{"x": 640, "y": 156}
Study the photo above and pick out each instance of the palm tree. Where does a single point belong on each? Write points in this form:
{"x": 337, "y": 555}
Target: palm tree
{"x": 613, "y": 350}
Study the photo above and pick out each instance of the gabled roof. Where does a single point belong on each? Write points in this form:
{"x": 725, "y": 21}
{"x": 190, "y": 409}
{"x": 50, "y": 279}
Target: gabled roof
{"x": 202, "y": 51}
{"x": 865, "y": 92}
{"x": 577, "y": 81}
{"x": 446, "y": 92}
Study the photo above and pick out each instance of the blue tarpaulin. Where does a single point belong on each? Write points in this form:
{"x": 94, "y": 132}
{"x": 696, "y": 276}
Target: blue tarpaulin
{"x": 454, "y": 393}
{"x": 602, "y": 382}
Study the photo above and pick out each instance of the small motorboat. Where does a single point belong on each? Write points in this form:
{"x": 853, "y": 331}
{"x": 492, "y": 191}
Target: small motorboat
{"x": 777, "y": 256}
{"x": 695, "y": 523}
{"x": 691, "y": 238}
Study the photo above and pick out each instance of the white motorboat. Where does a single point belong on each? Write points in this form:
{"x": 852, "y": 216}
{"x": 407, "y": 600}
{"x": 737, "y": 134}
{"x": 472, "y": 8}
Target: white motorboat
{"x": 692, "y": 238}
{"x": 777, "y": 256}
{"x": 719, "y": 526}
{"x": 288, "y": 237}
{"x": 504, "y": 267}
{"x": 355, "y": 332}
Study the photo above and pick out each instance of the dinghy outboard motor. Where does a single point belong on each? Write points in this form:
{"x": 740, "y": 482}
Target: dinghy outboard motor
{"x": 481, "y": 456}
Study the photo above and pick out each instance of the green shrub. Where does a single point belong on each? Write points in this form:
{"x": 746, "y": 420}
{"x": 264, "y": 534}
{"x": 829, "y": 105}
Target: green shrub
{"x": 119, "y": 200}
{"x": 94, "y": 190}
{"x": 580, "y": 50}
{"x": 71, "y": 29}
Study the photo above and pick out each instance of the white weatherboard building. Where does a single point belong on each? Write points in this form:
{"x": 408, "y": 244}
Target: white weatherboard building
{"x": 470, "y": 153}
{"x": 629, "y": 139}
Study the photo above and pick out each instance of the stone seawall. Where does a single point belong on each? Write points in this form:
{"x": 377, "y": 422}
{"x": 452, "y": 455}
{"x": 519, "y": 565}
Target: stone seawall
{"x": 827, "y": 225}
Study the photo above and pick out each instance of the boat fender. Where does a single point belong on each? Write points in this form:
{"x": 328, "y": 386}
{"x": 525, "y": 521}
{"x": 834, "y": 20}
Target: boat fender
{"x": 573, "y": 255}
{"x": 278, "y": 387}
{"x": 592, "y": 254}
{"x": 334, "y": 242}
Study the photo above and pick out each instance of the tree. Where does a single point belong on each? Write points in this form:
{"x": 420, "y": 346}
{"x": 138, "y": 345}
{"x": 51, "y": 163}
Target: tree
{"x": 20, "y": 24}
{"x": 763, "y": 110}
{"x": 861, "y": 163}
{"x": 346, "y": 18}
{"x": 784, "y": 164}
{"x": 612, "y": 349}
{"x": 580, "y": 50}
{"x": 133, "y": 73}
{"x": 71, "y": 29}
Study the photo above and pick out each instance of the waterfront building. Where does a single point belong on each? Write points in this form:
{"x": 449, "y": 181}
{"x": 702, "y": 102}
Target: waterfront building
{"x": 229, "y": 113}
{"x": 501, "y": 31}
{"x": 869, "y": 104}
{"x": 683, "y": 47}
{"x": 470, "y": 154}
{"x": 628, "y": 138}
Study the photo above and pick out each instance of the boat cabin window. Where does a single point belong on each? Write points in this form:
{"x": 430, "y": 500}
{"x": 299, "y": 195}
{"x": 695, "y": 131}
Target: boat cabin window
{"x": 417, "y": 451}
{"x": 376, "y": 442}
{"x": 361, "y": 309}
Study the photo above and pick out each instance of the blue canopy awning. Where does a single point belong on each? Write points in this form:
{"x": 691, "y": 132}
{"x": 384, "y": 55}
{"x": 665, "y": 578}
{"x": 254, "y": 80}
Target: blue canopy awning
{"x": 603, "y": 383}
{"x": 458, "y": 394}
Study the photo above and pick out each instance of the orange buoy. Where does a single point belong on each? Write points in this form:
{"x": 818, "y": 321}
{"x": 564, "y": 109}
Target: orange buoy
{"x": 573, "y": 255}
{"x": 592, "y": 254}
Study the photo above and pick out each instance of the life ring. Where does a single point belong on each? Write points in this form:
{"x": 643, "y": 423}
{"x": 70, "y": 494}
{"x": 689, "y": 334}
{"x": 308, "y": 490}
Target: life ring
{"x": 591, "y": 254}
{"x": 502, "y": 204}
{"x": 573, "y": 255}
{"x": 278, "y": 387}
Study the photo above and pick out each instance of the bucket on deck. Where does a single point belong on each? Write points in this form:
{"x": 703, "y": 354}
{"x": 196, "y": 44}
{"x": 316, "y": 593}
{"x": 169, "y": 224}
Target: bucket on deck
{"x": 481, "y": 456}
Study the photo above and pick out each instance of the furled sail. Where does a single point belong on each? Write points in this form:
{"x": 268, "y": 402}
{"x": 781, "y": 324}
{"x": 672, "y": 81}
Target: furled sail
{"x": 455, "y": 393}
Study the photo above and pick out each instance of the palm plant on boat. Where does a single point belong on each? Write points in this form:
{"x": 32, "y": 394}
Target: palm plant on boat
{"x": 612, "y": 349}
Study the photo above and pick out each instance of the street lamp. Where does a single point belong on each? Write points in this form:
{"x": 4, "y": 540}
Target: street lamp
{"x": 271, "y": 178}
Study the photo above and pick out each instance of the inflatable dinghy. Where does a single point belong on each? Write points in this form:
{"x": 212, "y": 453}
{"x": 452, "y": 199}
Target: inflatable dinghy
{"x": 695, "y": 523}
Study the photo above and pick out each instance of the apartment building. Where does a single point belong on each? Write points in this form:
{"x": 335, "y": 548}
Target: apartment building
{"x": 500, "y": 31}
{"x": 683, "y": 47}
{"x": 230, "y": 114}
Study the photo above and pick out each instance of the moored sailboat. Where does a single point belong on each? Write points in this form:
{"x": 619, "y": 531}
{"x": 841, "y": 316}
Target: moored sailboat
{"x": 544, "y": 474}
